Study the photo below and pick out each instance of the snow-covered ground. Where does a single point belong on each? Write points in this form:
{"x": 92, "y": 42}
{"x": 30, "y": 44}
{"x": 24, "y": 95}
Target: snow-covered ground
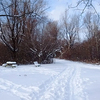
{"x": 62, "y": 80}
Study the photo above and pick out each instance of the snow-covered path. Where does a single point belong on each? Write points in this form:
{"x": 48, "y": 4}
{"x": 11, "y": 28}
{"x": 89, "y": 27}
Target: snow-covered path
{"x": 66, "y": 85}
{"x": 63, "y": 80}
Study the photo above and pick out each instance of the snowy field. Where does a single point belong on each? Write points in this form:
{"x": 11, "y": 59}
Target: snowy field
{"x": 62, "y": 80}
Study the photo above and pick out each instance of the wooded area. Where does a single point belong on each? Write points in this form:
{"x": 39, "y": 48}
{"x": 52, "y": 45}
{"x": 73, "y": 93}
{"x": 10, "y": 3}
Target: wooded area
{"x": 27, "y": 35}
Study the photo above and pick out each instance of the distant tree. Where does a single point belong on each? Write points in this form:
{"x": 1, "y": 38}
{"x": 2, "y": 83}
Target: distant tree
{"x": 50, "y": 40}
{"x": 70, "y": 31}
{"x": 44, "y": 43}
{"x": 92, "y": 24}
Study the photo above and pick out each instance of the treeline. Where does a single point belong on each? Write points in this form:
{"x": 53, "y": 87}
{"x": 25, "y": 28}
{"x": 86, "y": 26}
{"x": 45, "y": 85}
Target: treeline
{"x": 87, "y": 50}
{"x": 27, "y": 35}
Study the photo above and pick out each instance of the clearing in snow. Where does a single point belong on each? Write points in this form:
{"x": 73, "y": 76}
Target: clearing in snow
{"x": 62, "y": 80}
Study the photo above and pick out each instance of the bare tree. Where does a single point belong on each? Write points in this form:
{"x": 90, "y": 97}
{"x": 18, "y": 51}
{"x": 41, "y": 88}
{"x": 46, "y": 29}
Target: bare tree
{"x": 45, "y": 42}
{"x": 87, "y": 4}
{"x": 14, "y": 20}
{"x": 70, "y": 31}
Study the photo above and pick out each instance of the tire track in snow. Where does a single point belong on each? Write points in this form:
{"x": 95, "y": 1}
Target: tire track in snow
{"x": 65, "y": 86}
{"x": 76, "y": 87}
{"x": 58, "y": 88}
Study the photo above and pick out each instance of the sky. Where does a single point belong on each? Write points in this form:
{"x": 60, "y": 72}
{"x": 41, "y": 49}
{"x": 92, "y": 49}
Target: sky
{"x": 57, "y": 7}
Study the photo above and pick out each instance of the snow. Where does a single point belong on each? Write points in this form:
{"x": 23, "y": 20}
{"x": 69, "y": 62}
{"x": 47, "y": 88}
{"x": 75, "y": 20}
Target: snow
{"x": 36, "y": 64}
{"x": 62, "y": 80}
{"x": 10, "y": 62}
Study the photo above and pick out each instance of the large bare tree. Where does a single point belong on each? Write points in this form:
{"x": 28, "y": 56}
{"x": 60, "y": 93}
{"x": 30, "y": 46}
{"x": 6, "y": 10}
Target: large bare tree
{"x": 44, "y": 43}
{"x": 14, "y": 17}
